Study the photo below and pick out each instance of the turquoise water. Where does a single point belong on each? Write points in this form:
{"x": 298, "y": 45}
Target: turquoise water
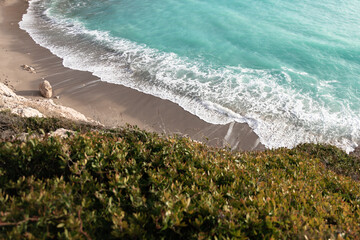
{"x": 289, "y": 69}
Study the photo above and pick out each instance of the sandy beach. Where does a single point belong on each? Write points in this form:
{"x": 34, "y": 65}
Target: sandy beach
{"x": 110, "y": 104}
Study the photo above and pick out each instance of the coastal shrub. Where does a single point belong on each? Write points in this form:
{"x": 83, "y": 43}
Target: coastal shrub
{"x": 334, "y": 159}
{"x": 132, "y": 184}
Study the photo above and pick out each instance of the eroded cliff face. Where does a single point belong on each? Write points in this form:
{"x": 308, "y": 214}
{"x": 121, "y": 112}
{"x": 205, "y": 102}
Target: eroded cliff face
{"x": 36, "y": 107}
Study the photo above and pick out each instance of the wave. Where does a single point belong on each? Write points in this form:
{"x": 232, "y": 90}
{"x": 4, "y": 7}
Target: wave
{"x": 280, "y": 115}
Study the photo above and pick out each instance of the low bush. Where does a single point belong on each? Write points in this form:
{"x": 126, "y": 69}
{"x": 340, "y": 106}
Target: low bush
{"x": 131, "y": 184}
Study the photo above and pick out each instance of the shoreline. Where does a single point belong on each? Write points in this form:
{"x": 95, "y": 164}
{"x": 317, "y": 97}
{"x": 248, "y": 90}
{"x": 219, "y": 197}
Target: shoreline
{"x": 111, "y": 104}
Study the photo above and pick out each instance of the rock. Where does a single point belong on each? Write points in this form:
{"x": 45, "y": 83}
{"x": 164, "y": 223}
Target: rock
{"x": 26, "y": 112}
{"x": 28, "y": 68}
{"x": 356, "y": 152}
{"x": 7, "y": 92}
{"x": 37, "y": 107}
{"x": 57, "y": 97}
{"x": 45, "y": 89}
{"x": 62, "y": 133}
{"x": 22, "y": 137}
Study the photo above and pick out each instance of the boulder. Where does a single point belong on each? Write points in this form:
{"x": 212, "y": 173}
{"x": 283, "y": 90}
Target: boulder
{"x": 28, "y": 68}
{"x": 45, "y": 89}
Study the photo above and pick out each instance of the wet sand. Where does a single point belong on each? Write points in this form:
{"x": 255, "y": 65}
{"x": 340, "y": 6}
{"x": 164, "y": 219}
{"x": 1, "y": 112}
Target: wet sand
{"x": 111, "y": 104}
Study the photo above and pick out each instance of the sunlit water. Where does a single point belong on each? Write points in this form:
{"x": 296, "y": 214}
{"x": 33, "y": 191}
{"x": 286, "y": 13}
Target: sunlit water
{"x": 291, "y": 69}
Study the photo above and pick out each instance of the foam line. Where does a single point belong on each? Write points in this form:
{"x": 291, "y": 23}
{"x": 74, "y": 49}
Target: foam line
{"x": 279, "y": 114}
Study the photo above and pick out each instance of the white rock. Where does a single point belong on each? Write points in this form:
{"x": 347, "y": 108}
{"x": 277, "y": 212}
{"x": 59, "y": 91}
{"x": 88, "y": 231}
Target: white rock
{"x": 62, "y": 132}
{"x": 26, "y": 112}
{"x": 6, "y": 91}
{"x": 37, "y": 107}
{"x": 45, "y": 89}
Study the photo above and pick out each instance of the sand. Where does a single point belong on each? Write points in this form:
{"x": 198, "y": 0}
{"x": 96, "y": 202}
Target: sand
{"x": 111, "y": 104}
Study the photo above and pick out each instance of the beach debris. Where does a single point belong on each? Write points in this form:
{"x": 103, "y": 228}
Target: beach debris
{"x": 45, "y": 89}
{"x": 28, "y": 68}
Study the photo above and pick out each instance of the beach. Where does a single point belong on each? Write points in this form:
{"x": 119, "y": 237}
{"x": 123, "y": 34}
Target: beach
{"x": 111, "y": 104}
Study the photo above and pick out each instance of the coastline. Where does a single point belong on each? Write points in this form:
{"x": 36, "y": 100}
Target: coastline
{"x": 111, "y": 104}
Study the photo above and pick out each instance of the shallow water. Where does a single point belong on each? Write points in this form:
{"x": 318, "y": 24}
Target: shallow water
{"x": 289, "y": 69}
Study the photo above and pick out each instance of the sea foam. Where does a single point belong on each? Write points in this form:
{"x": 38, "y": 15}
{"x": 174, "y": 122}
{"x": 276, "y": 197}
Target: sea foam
{"x": 280, "y": 114}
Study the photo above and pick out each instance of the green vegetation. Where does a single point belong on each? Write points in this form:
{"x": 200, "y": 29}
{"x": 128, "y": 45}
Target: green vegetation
{"x": 131, "y": 184}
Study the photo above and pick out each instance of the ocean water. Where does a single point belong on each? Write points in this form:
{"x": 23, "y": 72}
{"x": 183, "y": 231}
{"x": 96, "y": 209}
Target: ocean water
{"x": 290, "y": 69}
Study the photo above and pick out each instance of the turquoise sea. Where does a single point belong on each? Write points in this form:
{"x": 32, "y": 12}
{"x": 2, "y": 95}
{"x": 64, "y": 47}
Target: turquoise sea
{"x": 290, "y": 69}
